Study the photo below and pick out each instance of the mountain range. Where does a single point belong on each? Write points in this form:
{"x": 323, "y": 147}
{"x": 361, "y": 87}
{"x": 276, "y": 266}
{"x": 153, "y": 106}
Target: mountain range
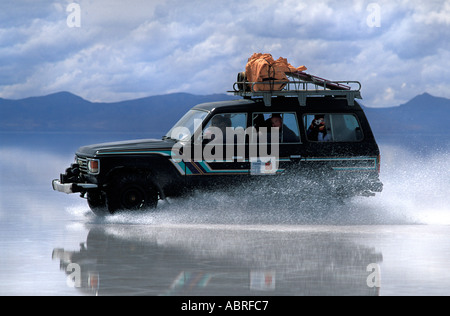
{"x": 424, "y": 118}
{"x": 67, "y": 112}
{"x": 422, "y": 123}
{"x": 424, "y": 114}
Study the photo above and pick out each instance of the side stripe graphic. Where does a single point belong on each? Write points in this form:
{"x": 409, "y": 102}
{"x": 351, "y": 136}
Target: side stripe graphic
{"x": 203, "y": 168}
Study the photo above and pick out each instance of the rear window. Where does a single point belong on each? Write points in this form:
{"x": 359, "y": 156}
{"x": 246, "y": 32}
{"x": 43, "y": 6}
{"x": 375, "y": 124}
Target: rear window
{"x": 334, "y": 127}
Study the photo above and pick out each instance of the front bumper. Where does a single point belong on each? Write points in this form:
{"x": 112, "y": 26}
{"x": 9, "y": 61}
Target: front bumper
{"x": 69, "y": 188}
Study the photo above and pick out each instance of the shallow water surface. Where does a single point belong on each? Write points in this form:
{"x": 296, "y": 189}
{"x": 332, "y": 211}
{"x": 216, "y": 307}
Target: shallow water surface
{"x": 223, "y": 243}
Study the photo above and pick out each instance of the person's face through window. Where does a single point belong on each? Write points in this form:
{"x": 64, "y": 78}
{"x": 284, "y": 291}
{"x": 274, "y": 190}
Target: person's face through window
{"x": 320, "y": 121}
{"x": 276, "y": 121}
{"x": 222, "y": 125}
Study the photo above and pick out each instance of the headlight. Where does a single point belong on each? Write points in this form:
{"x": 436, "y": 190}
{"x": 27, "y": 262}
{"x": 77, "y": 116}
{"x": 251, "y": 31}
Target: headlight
{"x": 93, "y": 166}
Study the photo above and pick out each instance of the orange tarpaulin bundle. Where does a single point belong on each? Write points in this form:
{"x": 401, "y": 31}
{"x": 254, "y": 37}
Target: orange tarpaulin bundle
{"x": 263, "y": 68}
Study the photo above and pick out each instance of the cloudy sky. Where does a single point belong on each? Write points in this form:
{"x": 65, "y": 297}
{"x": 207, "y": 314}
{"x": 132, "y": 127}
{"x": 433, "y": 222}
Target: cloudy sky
{"x": 111, "y": 50}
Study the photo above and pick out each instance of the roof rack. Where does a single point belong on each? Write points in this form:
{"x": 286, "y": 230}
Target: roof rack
{"x": 306, "y": 86}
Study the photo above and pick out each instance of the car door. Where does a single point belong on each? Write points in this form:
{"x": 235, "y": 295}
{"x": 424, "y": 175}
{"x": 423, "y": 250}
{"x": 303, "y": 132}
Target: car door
{"x": 278, "y": 142}
{"x": 336, "y": 141}
{"x": 223, "y": 156}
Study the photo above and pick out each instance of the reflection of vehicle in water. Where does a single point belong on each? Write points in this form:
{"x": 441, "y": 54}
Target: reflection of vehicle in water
{"x": 191, "y": 260}
{"x": 294, "y": 132}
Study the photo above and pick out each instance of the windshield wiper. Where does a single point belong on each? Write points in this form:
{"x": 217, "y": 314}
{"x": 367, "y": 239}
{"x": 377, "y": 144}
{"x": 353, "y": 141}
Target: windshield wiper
{"x": 168, "y": 137}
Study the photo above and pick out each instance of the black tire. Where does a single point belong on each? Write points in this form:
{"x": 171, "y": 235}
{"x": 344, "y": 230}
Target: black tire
{"x": 131, "y": 192}
{"x": 97, "y": 203}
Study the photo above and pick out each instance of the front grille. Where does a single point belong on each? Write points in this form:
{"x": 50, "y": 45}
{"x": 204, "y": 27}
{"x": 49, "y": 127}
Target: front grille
{"x": 82, "y": 162}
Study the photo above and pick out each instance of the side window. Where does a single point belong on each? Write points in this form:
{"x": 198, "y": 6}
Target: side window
{"x": 222, "y": 124}
{"x": 332, "y": 127}
{"x": 285, "y": 124}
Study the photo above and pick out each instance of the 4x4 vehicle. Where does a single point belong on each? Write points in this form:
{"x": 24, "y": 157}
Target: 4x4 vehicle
{"x": 298, "y": 132}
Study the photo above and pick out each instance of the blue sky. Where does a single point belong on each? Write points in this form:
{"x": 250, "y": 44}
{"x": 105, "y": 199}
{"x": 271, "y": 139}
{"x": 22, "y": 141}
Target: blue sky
{"x": 136, "y": 48}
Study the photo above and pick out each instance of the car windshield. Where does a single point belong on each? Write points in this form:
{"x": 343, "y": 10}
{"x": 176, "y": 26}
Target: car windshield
{"x": 186, "y": 126}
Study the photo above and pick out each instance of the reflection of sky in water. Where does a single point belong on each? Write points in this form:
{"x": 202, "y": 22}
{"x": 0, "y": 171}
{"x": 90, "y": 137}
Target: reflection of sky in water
{"x": 34, "y": 220}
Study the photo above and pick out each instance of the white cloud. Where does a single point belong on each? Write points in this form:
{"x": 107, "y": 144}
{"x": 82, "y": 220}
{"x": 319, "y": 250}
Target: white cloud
{"x": 143, "y": 47}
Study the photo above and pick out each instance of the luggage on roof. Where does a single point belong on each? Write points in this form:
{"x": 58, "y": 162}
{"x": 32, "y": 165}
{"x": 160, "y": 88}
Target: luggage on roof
{"x": 265, "y": 78}
{"x": 263, "y": 68}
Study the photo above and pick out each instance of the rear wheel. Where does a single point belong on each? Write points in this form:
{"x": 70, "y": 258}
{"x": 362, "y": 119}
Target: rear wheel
{"x": 131, "y": 192}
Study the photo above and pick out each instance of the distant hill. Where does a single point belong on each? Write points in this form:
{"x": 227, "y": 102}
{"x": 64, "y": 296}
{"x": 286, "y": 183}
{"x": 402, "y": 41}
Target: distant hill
{"x": 423, "y": 120}
{"x": 424, "y": 114}
{"x": 67, "y": 112}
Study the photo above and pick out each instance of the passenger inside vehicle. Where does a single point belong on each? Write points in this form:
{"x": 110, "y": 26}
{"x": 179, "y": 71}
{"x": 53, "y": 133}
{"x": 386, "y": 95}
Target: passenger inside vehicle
{"x": 286, "y": 134}
{"x": 218, "y": 123}
{"x": 285, "y": 123}
{"x": 318, "y": 130}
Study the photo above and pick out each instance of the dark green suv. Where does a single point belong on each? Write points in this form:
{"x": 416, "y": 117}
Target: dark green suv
{"x": 263, "y": 138}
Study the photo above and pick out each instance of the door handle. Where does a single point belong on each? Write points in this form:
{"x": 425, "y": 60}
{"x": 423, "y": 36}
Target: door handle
{"x": 295, "y": 158}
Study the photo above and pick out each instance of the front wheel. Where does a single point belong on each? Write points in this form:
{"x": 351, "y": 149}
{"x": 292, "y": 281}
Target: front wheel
{"x": 131, "y": 192}
{"x": 97, "y": 203}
